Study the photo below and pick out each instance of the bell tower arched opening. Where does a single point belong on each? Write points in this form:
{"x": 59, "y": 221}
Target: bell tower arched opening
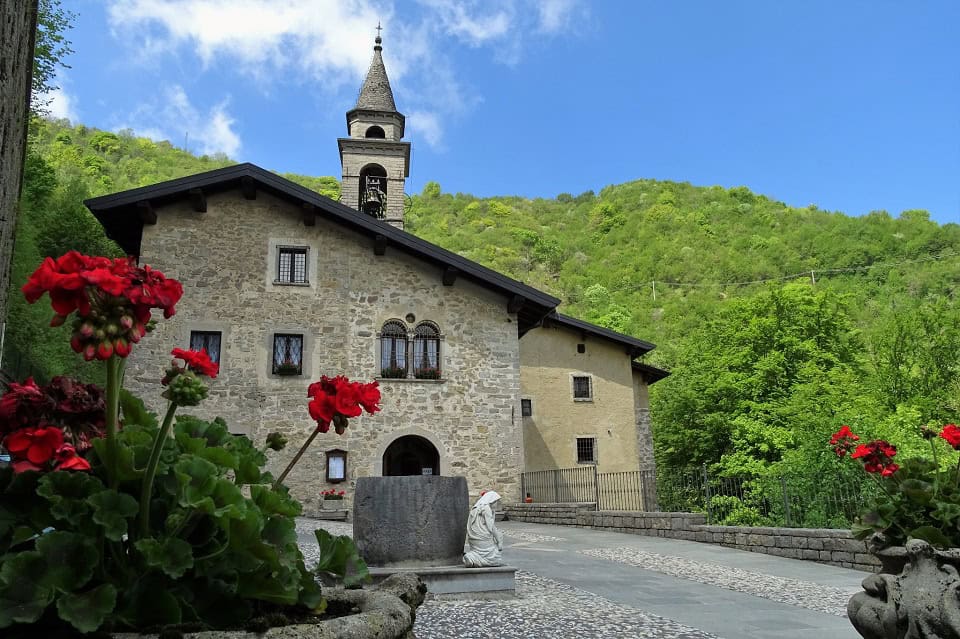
{"x": 375, "y": 132}
{"x": 411, "y": 455}
{"x": 373, "y": 190}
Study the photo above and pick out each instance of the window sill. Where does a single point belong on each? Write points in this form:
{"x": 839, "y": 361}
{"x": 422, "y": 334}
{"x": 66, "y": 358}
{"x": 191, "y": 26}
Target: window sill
{"x": 406, "y": 380}
{"x": 583, "y": 399}
{"x": 300, "y": 284}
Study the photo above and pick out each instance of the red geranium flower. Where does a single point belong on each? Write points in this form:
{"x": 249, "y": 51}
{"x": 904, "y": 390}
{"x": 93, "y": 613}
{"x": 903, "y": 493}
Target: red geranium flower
{"x": 35, "y": 445}
{"x": 842, "y": 440}
{"x": 877, "y": 456}
{"x": 68, "y": 459}
{"x": 198, "y": 361}
{"x": 951, "y": 433}
{"x": 369, "y": 397}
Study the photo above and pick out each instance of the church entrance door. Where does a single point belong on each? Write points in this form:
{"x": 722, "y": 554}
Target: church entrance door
{"x": 411, "y": 455}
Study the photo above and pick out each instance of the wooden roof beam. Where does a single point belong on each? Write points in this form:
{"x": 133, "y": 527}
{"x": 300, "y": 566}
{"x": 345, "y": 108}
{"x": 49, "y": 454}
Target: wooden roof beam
{"x": 450, "y": 275}
{"x": 249, "y": 187}
{"x": 198, "y": 200}
{"x": 309, "y": 214}
{"x": 146, "y": 212}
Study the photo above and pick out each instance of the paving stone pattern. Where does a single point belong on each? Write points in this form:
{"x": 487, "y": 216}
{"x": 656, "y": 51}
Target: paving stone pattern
{"x": 795, "y": 592}
{"x": 548, "y": 609}
{"x": 530, "y": 537}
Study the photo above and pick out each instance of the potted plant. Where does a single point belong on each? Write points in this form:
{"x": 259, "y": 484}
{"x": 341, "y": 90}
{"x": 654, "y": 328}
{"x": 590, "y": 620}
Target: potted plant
{"x": 393, "y": 372}
{"x": 913, "y": 527}
{"x": 150, "y": 525}
{"x": 287, "y": 367}
{"x": 427, "y": 372}
{"x": 333, "y": 495}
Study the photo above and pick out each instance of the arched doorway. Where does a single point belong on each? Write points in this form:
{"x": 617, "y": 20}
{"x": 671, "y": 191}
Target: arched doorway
{"x": 411, "y": 455}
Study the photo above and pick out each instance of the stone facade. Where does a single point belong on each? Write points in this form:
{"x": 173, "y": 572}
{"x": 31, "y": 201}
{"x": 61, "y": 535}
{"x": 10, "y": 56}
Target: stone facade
{"x": 616, "y": 416}
{"x": 226, "y": 260}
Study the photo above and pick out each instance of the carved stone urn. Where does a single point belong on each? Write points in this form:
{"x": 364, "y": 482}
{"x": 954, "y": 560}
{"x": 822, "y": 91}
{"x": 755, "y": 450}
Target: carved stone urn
{"x": 916, "y": 596}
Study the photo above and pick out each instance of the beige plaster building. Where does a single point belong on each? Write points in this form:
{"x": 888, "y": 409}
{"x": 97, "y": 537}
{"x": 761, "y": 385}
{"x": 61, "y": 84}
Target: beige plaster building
{"x": 584, "y": 397}
{"x": 283, "y": 285}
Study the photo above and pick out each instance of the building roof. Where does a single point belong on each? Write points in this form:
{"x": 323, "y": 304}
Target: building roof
{"x": 124, "y": 214}
{"x": 651, "y": 373}
{"x": 635, "y": 347}
{"x": 376, "y": 95}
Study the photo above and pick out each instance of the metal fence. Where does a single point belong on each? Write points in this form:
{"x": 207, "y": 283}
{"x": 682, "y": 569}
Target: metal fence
{"x": 815, "y": 501}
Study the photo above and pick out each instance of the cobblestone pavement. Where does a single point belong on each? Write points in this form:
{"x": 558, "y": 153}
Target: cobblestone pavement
{"x": 545, "y": 608}
{"x": 586, "y": 584}
{"x": 795, "y": 592}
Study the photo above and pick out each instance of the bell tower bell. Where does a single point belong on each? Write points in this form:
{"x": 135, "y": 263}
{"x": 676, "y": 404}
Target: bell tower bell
{"x": 374, "y": 158}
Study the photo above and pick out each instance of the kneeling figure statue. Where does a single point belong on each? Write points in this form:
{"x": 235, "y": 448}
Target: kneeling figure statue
{"x": 484, "y": 541}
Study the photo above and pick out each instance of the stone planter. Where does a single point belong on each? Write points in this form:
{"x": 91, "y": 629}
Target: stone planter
{"x": 332, "y": 504}
{"x": 412, "y": 521}
{"x": 386, "y": 611}
{"x": 915, "y": 596}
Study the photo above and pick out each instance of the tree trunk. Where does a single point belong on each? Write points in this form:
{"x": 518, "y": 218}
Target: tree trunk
{"x": 18, "y": 25}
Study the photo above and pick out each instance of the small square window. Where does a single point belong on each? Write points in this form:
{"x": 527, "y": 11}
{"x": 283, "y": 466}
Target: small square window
{"x": 526, "y": 407}
{"x": 581, "y": 348}
{"x": 336, "y": 466}
{"x": 208, "y": 341}
{"x": 582, "y": 388}
{"x": 287, "y": 354}
{"x": 586, "y": 450}
{"x": 291, "y": 265}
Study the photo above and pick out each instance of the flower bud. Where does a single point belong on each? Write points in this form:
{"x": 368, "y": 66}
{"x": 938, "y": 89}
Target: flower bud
{"x": 76, "y": 343}
{"x": 89, "y": 352}
{"x": 105, "y": 350}
{"x": 100, "y": 334}
{"x": 276, "y": 441}
{"x": 86, "y": 329}
{"x": 121, "y": 347}
{"x": 126, "y": 322}
{"x": 112, "y": 330}
{"x": 58, "y": 320}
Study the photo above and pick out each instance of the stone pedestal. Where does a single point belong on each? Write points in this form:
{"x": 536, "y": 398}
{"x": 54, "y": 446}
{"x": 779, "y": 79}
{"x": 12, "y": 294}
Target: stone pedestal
{"x": 411, "y": 521}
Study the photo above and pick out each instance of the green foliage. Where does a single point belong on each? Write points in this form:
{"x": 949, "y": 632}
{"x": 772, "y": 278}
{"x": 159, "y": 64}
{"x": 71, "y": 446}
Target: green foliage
{"x": 213, "y": 556}
{"x": 50, "y": 49}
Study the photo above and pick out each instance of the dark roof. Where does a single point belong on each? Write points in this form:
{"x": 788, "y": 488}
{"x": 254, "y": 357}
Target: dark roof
{"x": 635, "y": 347}
{"x": 651, "y": 373}
{"x": 376, "y": 95}
{"x": 122, "y": 216}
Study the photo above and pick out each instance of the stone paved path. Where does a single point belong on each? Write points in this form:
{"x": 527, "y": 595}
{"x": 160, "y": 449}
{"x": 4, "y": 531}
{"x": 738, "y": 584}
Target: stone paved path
{"x": 576, "y": 582}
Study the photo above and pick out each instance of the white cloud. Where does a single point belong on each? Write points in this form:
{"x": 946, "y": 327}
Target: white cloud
{"x": 176, "y": 118}
{"x": 555, "y": 15}
{"x": 426, "y": 126}
{"x": 327, "y": 43}
{"x": 61, "y": 105}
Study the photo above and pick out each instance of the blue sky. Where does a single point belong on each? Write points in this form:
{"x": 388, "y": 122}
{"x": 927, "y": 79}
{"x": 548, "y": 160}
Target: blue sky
{"x": 852, "y": 106}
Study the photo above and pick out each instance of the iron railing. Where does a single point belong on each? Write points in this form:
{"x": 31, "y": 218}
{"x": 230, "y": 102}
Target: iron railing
{"x": 795, "y": 500}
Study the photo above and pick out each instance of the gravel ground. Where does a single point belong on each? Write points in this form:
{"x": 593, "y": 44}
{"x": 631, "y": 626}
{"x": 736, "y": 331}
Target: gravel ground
{"x": 780, "y": 589}
{"x": 542, "y": 608}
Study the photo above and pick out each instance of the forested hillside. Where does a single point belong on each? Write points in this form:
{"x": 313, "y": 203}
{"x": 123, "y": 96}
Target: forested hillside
{"x": 778, "y": 322}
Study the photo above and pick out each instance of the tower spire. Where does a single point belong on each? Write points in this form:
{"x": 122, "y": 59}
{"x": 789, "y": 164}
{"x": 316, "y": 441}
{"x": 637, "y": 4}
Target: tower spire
{"x": 376, "y": 95}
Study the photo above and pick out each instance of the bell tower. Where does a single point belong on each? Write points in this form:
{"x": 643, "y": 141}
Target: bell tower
{"x": 374, "y": 158}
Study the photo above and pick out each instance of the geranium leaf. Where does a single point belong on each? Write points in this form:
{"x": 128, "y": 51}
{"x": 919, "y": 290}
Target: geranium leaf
{"x": 134, "y": 411}
{"x": 70, "y": 559}
{"x": 86, "y": 611}
{"x": 67, "y": 493}
{"x": 22, "y": 598}
{"x": 22, "y": 534}
{"x": 339, "y": 559}
{"x": 931, "y": 535}
{"x": 151, "y": 603}
{"x": 917, "y": 490}
{"x": 221, "y": 457}
{"x": 111, "y": 510}
{"x": 197, "y": 478}
{"x": 127, "y": 468}
{"x": 272, "y": 502}
{"x": 228, "y": 500}
{"x": 171, "y": 555}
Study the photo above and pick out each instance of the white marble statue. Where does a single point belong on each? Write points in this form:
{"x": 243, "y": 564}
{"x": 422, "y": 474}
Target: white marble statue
{"x": 484, "y": 541}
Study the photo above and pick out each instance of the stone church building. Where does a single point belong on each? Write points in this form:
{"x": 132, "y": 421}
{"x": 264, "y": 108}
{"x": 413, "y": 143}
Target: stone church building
{"x": 283, "y": 285}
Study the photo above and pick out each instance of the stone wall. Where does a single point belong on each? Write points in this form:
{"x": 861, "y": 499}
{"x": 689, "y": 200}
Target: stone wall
{"x": 827, "y": 546}
{"x": 224, "y": 257}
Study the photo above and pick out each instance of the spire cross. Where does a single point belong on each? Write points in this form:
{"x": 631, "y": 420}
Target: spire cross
{"x": 379, "y": 29}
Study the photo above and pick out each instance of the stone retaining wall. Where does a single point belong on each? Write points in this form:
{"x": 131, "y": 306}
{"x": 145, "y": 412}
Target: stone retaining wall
{"x": 827, "y": 546}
